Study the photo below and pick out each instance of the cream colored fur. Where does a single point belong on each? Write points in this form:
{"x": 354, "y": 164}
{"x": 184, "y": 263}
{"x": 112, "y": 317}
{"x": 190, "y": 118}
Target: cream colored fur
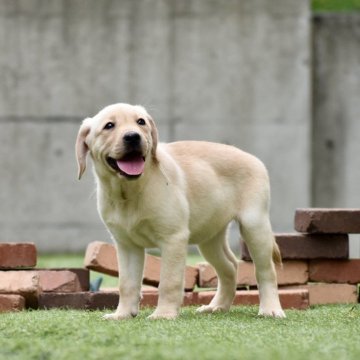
{"x": 188, "y": 194}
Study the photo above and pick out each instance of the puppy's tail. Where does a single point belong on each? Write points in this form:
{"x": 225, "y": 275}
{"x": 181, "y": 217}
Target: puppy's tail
{"x": 276, "y": 255}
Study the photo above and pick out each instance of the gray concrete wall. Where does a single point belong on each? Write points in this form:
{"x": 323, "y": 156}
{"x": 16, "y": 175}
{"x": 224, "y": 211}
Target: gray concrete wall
{"x": 336, "y": 120}
{"x": 230, "y": 71}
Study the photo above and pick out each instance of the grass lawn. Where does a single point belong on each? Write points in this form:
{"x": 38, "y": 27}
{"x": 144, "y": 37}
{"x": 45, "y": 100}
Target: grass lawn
{"x": 326, "y": 332}
{"x": 336, "y": 5}
{"x": 323, "y": 332}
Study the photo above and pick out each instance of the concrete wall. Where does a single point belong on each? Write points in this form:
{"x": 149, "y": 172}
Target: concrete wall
{"x": 230, "y": 71}
{"x": 336, "y": 120}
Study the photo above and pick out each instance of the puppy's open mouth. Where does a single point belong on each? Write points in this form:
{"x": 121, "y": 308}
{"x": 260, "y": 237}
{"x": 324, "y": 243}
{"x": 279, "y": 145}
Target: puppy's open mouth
{"x": 131, "y": 165}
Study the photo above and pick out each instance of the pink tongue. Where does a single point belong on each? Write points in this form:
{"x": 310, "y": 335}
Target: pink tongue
{"x": 134, "y": 166}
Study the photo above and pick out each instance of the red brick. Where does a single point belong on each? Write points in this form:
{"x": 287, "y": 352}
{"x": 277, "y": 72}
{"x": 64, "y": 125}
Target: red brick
{"x": 101, "y": 300}
{"x": 292, "y": 272}
{"x": 152, "y": 273}
{"x": 308, "y": 246}
{"x": 149, "y": 299}
{"x": 21, "y": 282}
{"x": 17, "y": 255}
{"x": 78, "y": 300}
{"x": 191, "y": 298}
{"x": 320, "y": 293}
{"x": 64, "y": 280}
{"x": 102, "y": 257}
{"x": 338, "y": 221}
{"x": 290, "y": 299}
{"x": 339, "y": 271}
{"x": 11, "y": 303}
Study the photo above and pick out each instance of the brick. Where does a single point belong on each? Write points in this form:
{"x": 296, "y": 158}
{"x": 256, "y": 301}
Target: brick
{"x": 290, "y": 299}
{"x": 17, "y": 255}
{"x": 101, "y": 300}
{"x": 292, "y": 272}
{"x": 77, "y": 300}
{"x": 21, "y": 282}
{"x": 339, "y": 271}
{"x": 308, "y": 246}
{"x": 320, "y": 293}
{"x": 150, "y": 299}
{"x": 152, "y": 273}
{"x": 102, "y": 257}
{"x": 337, "y": 221}
{"x": 11, "y": 303}
{"x": 64, "y": 280}
{"x": 191, "y": 298}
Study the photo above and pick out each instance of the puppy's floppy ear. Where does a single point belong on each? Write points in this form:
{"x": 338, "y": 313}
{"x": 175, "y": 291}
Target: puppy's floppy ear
{"x": 155, "y": 137}
{"x": 81, "y": 147}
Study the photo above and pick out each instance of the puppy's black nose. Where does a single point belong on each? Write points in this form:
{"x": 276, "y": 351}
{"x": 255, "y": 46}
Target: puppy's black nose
{"x": 132, "y": 138}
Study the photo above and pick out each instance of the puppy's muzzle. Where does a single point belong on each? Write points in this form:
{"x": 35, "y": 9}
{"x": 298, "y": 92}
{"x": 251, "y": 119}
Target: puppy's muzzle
{"x": 131, "y": 165}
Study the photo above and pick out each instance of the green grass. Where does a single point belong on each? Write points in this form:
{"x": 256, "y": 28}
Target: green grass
{"x": 326, "y": 332}
{"x": 336, "y": 5}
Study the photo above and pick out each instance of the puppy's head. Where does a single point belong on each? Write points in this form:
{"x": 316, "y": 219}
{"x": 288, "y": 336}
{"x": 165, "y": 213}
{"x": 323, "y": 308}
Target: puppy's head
{"x": 121, "y": 139}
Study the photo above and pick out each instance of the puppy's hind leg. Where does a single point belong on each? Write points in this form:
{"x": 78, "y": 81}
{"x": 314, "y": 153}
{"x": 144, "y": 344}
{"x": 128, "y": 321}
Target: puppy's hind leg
{"x": 218, "y": 253}
{"x": 257, "y": 233}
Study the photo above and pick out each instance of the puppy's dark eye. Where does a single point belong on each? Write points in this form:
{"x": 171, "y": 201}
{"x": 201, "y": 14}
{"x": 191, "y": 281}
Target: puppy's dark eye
{"x": 141, "y": 121}
{"x": 109, "y": 126}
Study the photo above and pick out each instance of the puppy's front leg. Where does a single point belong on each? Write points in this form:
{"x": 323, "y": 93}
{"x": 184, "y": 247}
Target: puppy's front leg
{"x": 173, "y": 260}
{"x": 131, "y": 266}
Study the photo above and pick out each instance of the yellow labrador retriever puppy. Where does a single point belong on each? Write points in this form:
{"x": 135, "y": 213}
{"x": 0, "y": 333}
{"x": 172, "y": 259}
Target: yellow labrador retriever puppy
{"x": 172, "y": 195}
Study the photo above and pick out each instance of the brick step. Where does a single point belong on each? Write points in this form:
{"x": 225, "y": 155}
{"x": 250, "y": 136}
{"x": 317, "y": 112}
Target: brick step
{"x": 101, "y": 257}
{"x": 17, "y": 255}
{"x": 21, "y": 282}
{"x": 30, "y": 283}
{"x": 291, "y": 273}
{"x": 10, "y": 302}
{"x": 321, "y": 294}
{"x": 337, "y": 221}
{"x": 340, "y": 271}
{"x": 297, "y": 299}
{"x": 308, "y": 246}
{"x": 64, "y": 279}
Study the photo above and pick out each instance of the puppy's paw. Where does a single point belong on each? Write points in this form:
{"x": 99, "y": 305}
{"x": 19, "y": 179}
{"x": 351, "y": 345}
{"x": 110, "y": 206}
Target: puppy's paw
{"x": 276, "y": 313}
{"x": 119, "y": 316}
{"x": 207, "y": 309}
{"x": 168, "y": 315}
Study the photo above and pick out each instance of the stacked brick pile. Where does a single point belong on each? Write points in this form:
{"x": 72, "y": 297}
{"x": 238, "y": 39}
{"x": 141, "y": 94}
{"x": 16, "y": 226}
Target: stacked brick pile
{"x": 101, "y": 257}
{"x": 316, "y": 270}
{"x": 320, "y": 252}
{"x": 22, "y": 285}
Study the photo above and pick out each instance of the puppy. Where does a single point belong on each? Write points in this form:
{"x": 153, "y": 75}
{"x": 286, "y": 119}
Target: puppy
{"x": 171, "y": 195}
